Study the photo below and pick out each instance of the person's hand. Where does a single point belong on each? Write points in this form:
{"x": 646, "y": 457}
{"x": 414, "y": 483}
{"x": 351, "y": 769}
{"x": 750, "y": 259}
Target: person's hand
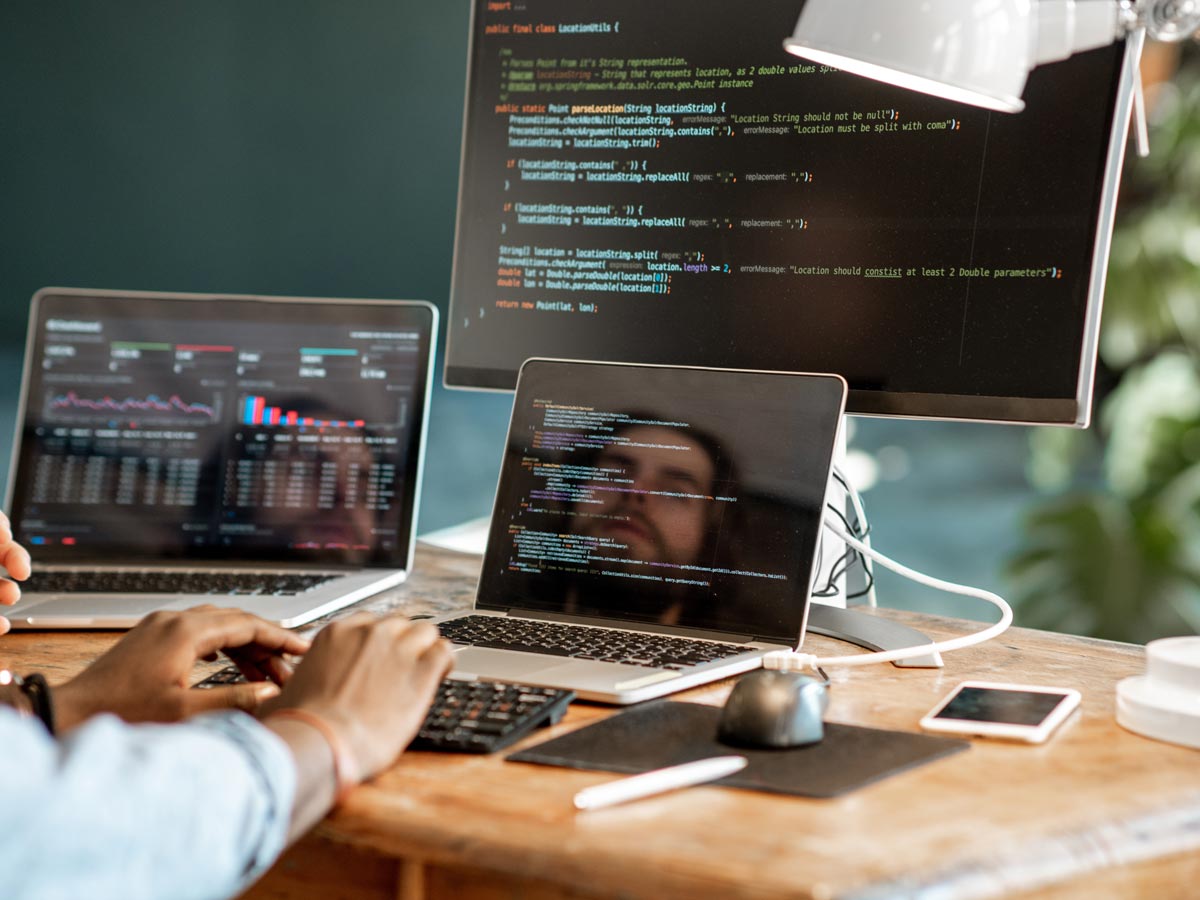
{"x": 15, "y": 560}
{"x": 372, "y": 680}
{"x": 145, "y": 676}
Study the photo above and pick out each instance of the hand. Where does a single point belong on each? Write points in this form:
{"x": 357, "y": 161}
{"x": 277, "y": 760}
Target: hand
{"x": 372, "y": 680}
{"x": 145, "y": 676}
{"x": 15, "y": 559}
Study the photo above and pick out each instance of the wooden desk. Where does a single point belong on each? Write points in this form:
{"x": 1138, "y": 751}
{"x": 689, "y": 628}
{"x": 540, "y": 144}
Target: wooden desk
{"x": 1096, "y": 812}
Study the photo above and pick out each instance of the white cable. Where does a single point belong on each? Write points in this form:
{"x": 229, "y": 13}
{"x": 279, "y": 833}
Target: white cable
{"x": 795, "y": 661}
{"x": 861, "y": 514}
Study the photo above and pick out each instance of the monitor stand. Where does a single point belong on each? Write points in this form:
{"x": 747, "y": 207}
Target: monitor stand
{"x": 829, "y": 616}
{"x": 870, "y": 631}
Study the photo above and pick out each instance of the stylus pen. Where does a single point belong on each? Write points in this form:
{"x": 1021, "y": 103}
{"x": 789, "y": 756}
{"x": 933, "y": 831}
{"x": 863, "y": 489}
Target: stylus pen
{"x": 656, "y": 782}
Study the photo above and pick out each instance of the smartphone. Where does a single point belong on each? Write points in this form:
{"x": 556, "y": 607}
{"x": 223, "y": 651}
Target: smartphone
{"x": 1017, "y": 712}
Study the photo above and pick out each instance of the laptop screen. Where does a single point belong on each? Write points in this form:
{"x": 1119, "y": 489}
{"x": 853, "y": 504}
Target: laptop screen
{"x": 674, "y": 496}
{"x": 159, "y": 428}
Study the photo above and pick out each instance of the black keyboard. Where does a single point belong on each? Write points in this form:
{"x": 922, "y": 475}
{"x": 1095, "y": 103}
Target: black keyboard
{"x": 469, "y": 716}
{"x": 160, "y": 582}
{"x": 586, "y": 642}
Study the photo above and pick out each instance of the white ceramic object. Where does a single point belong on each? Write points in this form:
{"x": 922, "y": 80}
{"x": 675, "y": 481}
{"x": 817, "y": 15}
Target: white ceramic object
{"x": 1164, "y": 704}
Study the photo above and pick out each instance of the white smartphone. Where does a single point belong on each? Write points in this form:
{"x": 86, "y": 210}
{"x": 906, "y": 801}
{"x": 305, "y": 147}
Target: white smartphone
{"x": 1017, "y": 712}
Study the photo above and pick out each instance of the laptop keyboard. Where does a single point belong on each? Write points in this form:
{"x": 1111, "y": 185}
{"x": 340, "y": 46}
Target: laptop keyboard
{"x": 159, "y": 582}
{"x": 632, "y": 648}
{"x": 469, "y": 716}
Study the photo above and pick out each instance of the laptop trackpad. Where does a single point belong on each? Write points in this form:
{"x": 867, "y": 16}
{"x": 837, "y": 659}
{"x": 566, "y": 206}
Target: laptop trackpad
{"x": 516, "y": 666}
{"x": 100, "y": 607}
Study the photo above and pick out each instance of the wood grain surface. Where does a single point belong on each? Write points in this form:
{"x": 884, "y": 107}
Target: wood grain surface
{"x": 1095, "y": 812}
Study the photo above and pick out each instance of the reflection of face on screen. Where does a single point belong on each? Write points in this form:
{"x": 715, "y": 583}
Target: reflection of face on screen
{"x": 656, "y": 499}
{"x": 649, "y": 508}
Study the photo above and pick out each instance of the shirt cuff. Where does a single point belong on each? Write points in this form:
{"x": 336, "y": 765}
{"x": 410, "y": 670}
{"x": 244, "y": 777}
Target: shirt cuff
{"x": 272, "y": 762}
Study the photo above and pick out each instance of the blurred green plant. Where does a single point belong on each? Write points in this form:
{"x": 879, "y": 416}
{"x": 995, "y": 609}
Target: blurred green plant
{"x": 1114, "y": 551}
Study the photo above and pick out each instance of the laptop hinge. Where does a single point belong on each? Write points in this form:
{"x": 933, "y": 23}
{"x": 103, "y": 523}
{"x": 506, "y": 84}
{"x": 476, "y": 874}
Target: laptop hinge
{"x": 626, "y": 624}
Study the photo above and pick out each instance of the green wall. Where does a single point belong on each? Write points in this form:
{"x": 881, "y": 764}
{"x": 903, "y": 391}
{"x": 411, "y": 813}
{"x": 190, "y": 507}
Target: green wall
{"x": 247, "y": 146}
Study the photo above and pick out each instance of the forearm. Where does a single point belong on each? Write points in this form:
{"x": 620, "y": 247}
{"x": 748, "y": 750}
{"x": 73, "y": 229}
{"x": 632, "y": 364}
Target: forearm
{"x": 314, "y": 773}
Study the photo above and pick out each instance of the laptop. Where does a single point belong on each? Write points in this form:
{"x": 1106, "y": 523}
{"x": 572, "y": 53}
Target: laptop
{"x": 655, "y": 527}
{"x": 179, "y": 449}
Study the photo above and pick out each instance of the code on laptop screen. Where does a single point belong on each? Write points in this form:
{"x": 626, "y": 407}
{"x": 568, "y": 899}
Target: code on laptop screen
{"x": 675, "y": 496}
{"x": 158, "y": 428}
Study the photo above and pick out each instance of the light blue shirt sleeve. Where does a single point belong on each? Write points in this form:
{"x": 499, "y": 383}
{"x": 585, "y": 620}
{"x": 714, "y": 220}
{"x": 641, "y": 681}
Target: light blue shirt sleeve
{"x": 191, "y": 811}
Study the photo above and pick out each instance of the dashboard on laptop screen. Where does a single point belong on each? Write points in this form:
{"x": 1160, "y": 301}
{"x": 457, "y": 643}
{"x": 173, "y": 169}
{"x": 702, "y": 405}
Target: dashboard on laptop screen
{"x": 221, "y": 428}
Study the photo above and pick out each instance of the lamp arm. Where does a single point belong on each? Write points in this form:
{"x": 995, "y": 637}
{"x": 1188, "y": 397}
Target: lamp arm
{"x": 1170, "y": 21}
{"x": 1141, "y": 130}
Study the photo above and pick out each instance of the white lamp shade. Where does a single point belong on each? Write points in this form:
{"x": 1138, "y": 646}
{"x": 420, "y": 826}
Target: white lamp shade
{"x": 972, "y": 51}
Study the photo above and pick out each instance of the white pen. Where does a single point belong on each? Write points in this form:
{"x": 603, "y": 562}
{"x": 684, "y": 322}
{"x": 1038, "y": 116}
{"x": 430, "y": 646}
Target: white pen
{"x": 658, "y": 781}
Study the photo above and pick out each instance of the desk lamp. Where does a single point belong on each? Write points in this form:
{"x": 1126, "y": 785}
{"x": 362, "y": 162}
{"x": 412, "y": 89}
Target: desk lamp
{"x": 978, "y": 52}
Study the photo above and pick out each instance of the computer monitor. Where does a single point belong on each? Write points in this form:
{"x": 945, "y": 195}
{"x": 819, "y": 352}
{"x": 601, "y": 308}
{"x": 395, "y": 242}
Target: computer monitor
{"x": 662, "y": 183}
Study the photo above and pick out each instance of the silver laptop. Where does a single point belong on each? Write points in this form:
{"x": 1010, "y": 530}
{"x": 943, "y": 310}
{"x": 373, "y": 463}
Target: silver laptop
{"x": 178, "y": 449}
{"x": 655, "y": 527}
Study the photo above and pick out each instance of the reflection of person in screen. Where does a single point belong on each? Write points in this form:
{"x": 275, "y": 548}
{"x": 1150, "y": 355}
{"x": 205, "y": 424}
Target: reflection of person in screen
{"x": 653, "y": 502}
{"x": 659, "y": 515}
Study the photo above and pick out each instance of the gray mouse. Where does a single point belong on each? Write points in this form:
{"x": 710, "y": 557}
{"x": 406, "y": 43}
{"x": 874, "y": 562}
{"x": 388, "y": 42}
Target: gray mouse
{"x": 773, "y": 709}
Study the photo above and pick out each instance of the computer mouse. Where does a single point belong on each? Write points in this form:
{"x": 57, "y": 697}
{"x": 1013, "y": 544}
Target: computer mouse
{"x": 773, "y": 709}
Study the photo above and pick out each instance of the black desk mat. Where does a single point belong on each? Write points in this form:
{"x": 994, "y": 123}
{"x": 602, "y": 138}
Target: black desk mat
{"x": 666, "y": 733}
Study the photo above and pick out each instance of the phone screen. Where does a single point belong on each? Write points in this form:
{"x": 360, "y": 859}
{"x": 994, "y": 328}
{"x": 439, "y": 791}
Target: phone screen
{"x": 1009, "y": 707}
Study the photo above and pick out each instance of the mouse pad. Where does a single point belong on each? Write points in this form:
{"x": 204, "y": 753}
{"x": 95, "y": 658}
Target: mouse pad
{"x": 666, "y": 733}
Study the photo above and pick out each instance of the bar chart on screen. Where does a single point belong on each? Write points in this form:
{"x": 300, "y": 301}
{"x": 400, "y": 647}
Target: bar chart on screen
{"x": 256, "y": 411}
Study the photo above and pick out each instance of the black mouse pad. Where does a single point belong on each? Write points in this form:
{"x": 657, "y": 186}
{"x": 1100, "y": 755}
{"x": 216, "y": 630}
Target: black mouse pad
{"x": 666, "y": 733}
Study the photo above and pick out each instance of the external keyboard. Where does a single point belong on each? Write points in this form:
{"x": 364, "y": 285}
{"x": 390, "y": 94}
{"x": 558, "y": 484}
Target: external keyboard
{"x": 633, "y": 648}
{"x": 162, "y": 582}
{"x": 469, "y": 716}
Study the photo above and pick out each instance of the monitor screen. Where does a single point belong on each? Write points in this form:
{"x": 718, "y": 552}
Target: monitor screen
{"x": 158, "y": 427}
{"x": 662, "y": 182}
{"x": 686, "y": 498}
